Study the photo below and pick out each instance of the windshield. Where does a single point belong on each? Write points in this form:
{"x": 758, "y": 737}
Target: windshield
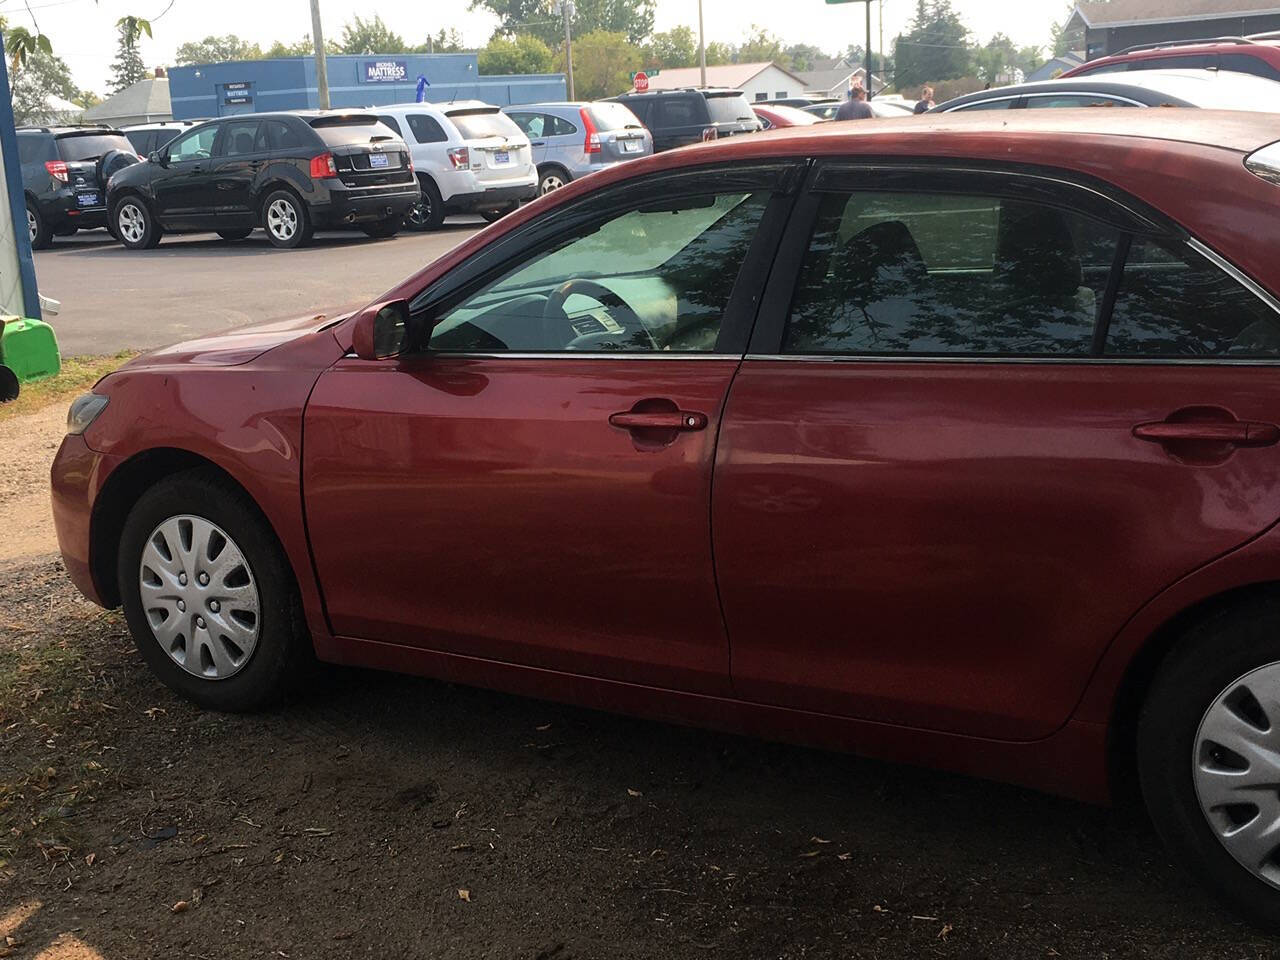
{"x": 90, "y": 146}
{"x": 479, "y": 124}
{"x": 729, "y": 107}
{"x": 612, "y": 116}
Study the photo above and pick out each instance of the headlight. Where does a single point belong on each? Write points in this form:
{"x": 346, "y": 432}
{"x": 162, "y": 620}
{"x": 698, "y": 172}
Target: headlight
{"x": 84, "y": 410}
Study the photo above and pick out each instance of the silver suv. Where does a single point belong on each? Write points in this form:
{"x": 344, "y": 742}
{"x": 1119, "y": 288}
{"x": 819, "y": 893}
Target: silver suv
{"x": 570, "y": 140}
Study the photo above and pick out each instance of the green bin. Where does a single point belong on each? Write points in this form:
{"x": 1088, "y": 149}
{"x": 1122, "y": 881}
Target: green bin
{"x": 29, "y": 348}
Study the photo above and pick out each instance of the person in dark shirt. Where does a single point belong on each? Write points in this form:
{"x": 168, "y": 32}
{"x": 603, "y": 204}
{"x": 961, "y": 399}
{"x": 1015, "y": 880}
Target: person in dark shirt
{"x": 856, "y": 107}
{"x": 925, "y": 103}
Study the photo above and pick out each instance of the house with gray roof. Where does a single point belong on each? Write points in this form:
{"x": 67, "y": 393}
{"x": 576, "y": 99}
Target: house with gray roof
{"x": 1105, "y": 28}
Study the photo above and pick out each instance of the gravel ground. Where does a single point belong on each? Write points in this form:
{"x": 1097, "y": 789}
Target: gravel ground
{"x": 385, "y": 816}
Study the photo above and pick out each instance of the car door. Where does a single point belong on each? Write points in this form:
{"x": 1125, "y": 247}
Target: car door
{"x": 984, "y": 418}
{"x": 183, "y": 184}
{"x": 534, "y": 486}
{"x": 240, "y": 153}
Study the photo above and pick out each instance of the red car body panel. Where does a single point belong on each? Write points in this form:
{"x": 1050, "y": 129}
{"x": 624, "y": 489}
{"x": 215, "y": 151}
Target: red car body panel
{"x": 618, "y": 554}
{"x": 1266, "y": 51}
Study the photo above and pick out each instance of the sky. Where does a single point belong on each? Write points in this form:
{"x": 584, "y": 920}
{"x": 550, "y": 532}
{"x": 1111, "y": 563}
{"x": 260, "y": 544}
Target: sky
{"x": 83, "y": 34}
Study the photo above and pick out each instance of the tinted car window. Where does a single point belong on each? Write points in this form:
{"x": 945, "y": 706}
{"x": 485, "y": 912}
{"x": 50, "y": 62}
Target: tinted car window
{"x": 1073, "y": 100}
{"x": 682, "y": 112}
{"x": 91, "y": 146}
{"x": 729, "y": 108}
{"x": 559, "y": 127}
{"x": 669, "y": 273}
{"x": 143, "y": 140}
{"x": 426, "y": 129}
{"x": 641, "y": 109}
{"x": 1241, "y": 63}
{"x": 940, "y": 274}
{"x": 1190, "y": 61}
{"x": 530, "y": 123}
{"x": 33, "y": 148}
{"x": 391, "y": 122}
{"x": 284, "y": 136}
{"x": 196, "y": 145}
{"x": 1004, "y": 104}
{"x": 1173, "y": 302}
{"x": 241, "y": 138}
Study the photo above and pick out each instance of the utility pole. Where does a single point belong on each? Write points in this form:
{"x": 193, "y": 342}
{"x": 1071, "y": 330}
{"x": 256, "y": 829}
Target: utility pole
{"x": 322, "y": 70}
{"x": 702, "y": 47}
{"x": 568, "y": 8}
{"x": 870, "y": 86}
{"x": 882, "y": 37}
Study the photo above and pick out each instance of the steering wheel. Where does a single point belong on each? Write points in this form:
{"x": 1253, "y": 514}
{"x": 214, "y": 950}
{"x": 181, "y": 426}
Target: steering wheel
{"x": 555, "y": 320}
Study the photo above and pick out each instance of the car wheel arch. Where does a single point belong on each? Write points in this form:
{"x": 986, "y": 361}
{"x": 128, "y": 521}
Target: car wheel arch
{"x": 122, "y": 489}
{"x": 545, "y": 168}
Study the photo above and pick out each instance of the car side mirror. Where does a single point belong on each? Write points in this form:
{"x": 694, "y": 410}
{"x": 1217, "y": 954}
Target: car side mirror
{"x": 158, "y": 157}
{"x": 382, "y": 330}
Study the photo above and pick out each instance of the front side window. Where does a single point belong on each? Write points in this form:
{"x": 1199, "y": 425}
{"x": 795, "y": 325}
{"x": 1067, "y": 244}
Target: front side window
{"x": 1073, "y": 101}
{"x": 1005, "y": 104}
{"x": 655, "y": 278}
{"x": 1172, "y": 302}
{"x": 919, "y": 273}
{"x": 196, "y": 145}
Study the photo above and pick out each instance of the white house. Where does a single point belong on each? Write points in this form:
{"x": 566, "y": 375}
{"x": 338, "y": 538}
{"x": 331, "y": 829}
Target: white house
{"x": 759, "y": 81}
{"x": 835, "y": 82}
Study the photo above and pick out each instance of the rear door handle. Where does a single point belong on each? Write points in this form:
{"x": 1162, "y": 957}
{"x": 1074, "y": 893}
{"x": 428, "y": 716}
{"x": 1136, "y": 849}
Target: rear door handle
{"x": 538, "y": 143}
{"x": 661, "y": 420}
{"x": 1242, "y": 433}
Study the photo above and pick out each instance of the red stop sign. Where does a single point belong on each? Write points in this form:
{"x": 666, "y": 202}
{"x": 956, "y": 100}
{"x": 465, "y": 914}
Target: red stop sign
{"x": 642, "y": 82}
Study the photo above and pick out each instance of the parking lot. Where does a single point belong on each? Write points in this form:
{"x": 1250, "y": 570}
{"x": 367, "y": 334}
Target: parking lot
{"x": 116, "y": 299}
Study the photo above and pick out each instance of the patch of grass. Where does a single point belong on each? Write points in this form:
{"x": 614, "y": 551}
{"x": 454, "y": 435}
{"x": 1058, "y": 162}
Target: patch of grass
{"x": 78, "y": 374}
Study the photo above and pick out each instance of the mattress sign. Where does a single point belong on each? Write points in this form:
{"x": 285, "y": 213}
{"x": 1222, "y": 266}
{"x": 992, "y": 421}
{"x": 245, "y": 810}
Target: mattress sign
{"x": 384, "y": 71}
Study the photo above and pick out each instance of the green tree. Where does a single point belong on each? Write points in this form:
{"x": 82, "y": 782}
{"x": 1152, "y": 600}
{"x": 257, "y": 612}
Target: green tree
{"x": 128, "y": 67}
{"x": 603, "y": 61}
{"x": 1062, "y": 40}
{"x": 759, "y": 47}
{"x": 442, "y": 41}
{"x": 802, "y": 56}
{"x": 40, "y": 76}
{"x": 300, "y": 48}
{"x": 217, "y": 50}
{"x": 524, "y": 54}
{"x": 631, "y": 17}
{"x": 936, "y": 47}
{"x": 719, "y": 53}
{"x": 370, "y": 36}
{"x": 677, "y": 47}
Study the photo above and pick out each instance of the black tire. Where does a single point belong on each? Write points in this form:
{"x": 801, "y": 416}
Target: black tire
{"x": 1206, "y": 662}
{"x": 238, "y": 234}
{"x": 493, "y": 216}
{"x": 38, "y": 228}
{"x": 134, "y": 225}
{"x": 277, "y": 203}
{"x": 283, "y": 651}
{"x": 428, "y": 213}
{"x": 552, "y": 178}
{"x": 384, "y": 228}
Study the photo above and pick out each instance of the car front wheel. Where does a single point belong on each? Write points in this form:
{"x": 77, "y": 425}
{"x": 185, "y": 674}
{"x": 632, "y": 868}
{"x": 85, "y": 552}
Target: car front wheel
{"x": 1209, "y": 756}
{"x": 134, "y": 224}
{"x": 286, "y": 220}
{"x": 208, "y": 594}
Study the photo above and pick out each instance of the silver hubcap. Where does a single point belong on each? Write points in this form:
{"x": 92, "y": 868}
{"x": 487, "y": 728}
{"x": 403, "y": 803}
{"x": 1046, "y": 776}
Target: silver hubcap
{"x": 132, "y": 222}
{"x": 31, "y": 226}
{"x": 282, "y": 219}
{"x": 1236, "y": 767}
{"x": 551, "y": 182}
{"x": 199, "y": 597}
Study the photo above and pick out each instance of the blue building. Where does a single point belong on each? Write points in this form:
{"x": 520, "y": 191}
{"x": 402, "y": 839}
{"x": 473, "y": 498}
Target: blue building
{"x": 289, "y": 83}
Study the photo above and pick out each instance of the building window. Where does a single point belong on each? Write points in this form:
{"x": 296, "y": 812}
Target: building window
{"x": 781, "y": 95}
{"x": 761, "y": 97}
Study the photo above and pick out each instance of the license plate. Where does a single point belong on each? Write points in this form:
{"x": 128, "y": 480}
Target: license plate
{"x": 379, "y": 160}
{"x": 87, "y": 199}
{"x": 630, "y": 146}
{"x": 501, "y": 156}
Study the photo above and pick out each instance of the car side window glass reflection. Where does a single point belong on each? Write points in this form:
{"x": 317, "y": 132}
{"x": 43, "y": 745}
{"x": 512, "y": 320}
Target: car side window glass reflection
{"x": 242, "y": 138}
{"x": 656, "y": 278}
{"x": 1172, "y": 302}
{"x": 919, "y": 273}
{"x": 197, "y": 145}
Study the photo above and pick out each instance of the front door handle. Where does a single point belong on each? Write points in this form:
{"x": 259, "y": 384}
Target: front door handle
{"x": 1241, "y": 433}
{"x": 660, "y": 420}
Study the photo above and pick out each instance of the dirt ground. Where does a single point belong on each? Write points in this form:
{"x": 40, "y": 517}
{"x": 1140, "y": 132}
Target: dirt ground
{"x": 384, "y": 816}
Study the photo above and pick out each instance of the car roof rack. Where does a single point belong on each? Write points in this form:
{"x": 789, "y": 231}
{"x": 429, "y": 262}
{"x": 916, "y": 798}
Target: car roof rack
{"x": 1168, "y": 44}
{"x": 1273, "y": 35}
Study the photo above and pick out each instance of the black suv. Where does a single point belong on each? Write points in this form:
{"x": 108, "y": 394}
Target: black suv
{"x": 290, "y": 173}
{"x": 679, "y": 117}
{"x": 64, "y": 176}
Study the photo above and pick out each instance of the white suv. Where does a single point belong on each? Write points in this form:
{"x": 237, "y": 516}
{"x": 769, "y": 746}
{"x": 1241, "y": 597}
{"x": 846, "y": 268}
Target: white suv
{"x": 469, "y": 156}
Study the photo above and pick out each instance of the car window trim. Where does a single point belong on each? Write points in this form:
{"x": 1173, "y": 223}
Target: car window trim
{"x": 1117, "y": 97}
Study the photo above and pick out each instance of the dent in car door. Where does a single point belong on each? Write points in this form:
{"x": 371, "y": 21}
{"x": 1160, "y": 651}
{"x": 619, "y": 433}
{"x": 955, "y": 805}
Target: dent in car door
{"x": 502, "y": 496}
{"x": 931, "y": 507}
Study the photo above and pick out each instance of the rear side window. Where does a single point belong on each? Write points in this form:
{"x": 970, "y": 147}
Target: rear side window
{"x": 916, "y": 273}
{"x": 479, "y": 124}
{"x": 243, "y": 137}
{"x": 1190, "y": 61}
{"x": 391, "y": 122}
{"x": 642, "y": 109}
{"x": 91, "y": 146}
{"x": 1242, "y": 63}
{"x": 285, "y": 136}
{"x": 34, "y": 148}
{"x": 612, "y": 116}
{"x": 730, "y": 108}
{"x": 682, "y": 112}
{"x": 1005, "y": 104}
{"x": 1172, "y": 302}
{"x": 1073, "y": 101}
{"x": 559, "y": 127}
{"x": 426, "y": 129}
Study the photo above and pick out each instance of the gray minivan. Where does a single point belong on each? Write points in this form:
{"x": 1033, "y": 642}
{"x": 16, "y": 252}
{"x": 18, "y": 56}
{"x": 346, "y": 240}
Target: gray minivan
{"x": 570, "y": 140}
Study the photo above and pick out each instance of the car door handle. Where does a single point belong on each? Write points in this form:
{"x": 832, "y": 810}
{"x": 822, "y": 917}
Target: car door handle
{"x": 660, "y": 420}
{"x": 1241, "y": 433}
{"x": 538, "y": 143}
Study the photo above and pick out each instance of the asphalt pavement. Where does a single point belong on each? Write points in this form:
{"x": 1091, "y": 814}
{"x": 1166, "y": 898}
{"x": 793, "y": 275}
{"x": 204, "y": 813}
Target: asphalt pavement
{"x": 116, "y": 299}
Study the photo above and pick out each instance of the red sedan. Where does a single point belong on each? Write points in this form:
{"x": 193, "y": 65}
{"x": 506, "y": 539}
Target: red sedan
{"x": 780, "y": 115}
{"x": 951, "y": 440}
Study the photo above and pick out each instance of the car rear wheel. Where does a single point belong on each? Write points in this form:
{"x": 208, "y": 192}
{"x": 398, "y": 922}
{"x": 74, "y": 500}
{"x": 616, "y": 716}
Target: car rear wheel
{"x": 384, "y": 228}
{"x": 208, "y": 594}
{"x": 38, "y": 231}
{"x": 428, "y": 212}
{"x": 1209, "y": 756}
{"x": 553, "y": 178}
{"x": 238, "y": 234}
{"x": 134, "y": 224}
{"x": 492, "y": 216}
{"x": 286, "y": 220}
